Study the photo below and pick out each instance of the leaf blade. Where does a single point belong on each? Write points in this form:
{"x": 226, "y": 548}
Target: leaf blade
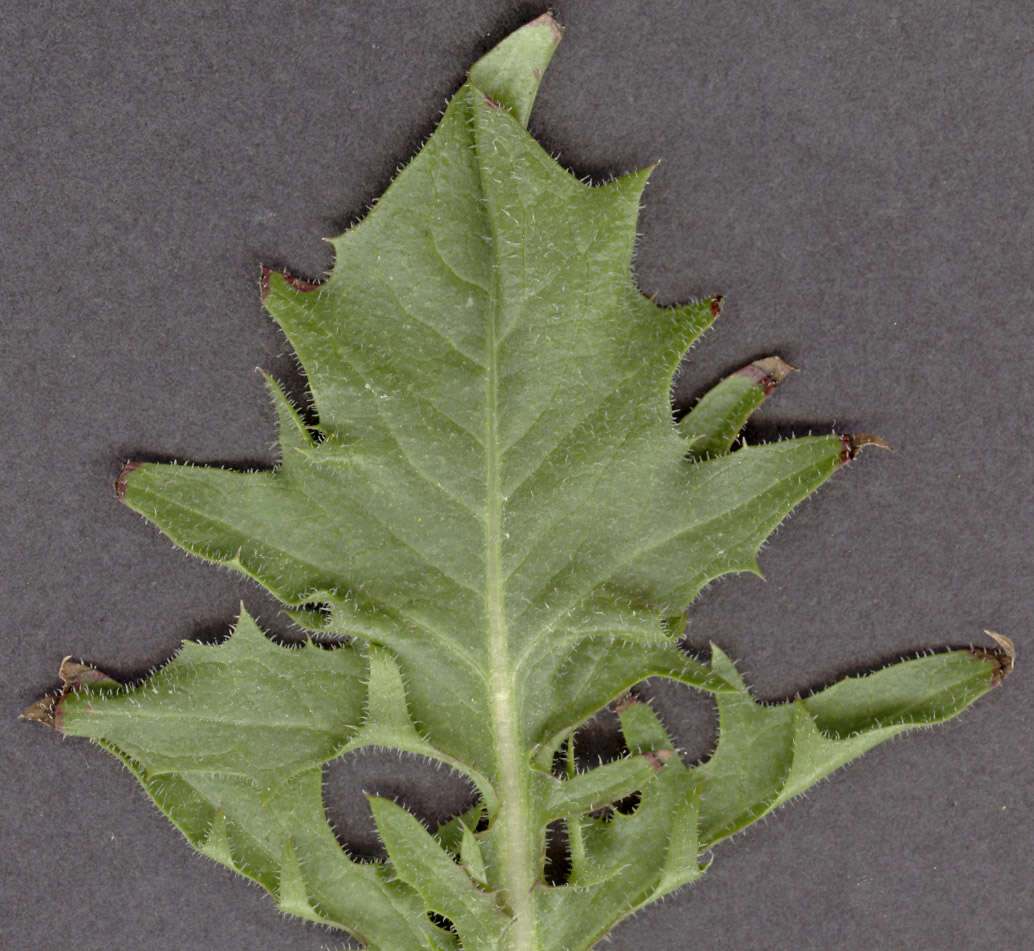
{"x": 496, "y": 503}
{"x": 767, "y": 755}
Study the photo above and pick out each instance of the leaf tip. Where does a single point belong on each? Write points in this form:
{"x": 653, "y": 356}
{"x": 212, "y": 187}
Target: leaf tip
{"x": 717, "y": 302}
{"x": 1002, "y": 657}
{"x": 123, "y": 476}
{"x": 657, "y": 758}
{"x": 49, "y": 710}
{"x": 768, "y": 372}
{"x": 854, "y": 443}
{"x": 508, "y": 75}
{"x": 74, "y": 674}
{"x": 43, "y": 711}
{"x": 299, "y": 284}
{"x": 547, "y": 19}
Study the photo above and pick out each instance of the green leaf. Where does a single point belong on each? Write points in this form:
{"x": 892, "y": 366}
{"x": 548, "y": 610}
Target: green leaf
{"x": 471, "y": 857}
{"x": 234, "y": 708}
{"x": 499, "y": 515}
{"x": 431, "y": 871}
{"x": 623, "y": 862}
{"x": 766, "y": 755}
{"x": 716, "y": 420}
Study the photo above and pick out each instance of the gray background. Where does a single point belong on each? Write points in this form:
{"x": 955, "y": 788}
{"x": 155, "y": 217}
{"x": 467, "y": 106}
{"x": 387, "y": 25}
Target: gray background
{"x": 856, "y": 178}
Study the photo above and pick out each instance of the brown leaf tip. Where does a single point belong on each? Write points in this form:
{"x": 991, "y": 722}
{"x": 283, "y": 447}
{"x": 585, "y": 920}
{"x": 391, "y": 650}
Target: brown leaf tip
{"x": 547, "y": 19}
{"x": 768, "y": 372}
{"x": 657, "y": 758}
{"x": 716, "y": 305}
{"x": 43, "y": 711}
{"x": 73, "y": 673}
{"x": 854, "y": 443}
{"x": 1002, "y": 657}
{"x": 120, "y": 482}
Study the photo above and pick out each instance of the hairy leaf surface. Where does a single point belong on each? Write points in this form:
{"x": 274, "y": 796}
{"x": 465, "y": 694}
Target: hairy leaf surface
{"x": 498, "y": 514}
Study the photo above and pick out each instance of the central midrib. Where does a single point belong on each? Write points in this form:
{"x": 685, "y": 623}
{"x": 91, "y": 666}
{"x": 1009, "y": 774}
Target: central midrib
{"x": 518, "y": 870}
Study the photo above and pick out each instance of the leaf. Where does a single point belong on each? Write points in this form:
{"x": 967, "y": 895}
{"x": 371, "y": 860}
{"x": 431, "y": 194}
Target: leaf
{"x": 497, "y": 513}
{"x": 767, "y": 755}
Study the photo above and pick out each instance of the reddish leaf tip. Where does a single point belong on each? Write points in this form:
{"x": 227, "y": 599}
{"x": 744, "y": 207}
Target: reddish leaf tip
{"x": 716, "y": 305}
{"x": 854, "y": 443}
{"x": 767, "y": 372}
{"x": 120, "y": 482}
{"x": 299, "y": 284}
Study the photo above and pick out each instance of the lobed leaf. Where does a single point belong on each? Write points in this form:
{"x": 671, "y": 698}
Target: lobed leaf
{"x": 498, "y": 512}
{"x": 768, "y": 754}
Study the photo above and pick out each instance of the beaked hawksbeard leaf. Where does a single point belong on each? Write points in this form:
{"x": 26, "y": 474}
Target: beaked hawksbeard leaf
{"x": 499, "y": 515}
